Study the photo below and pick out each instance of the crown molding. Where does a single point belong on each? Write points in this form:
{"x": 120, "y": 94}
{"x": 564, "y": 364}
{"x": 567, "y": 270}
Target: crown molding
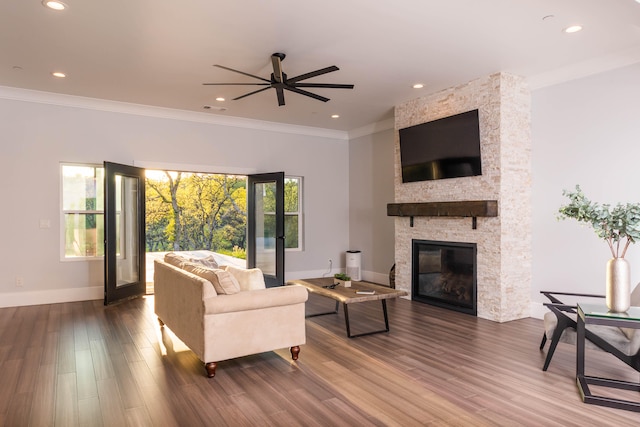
{"x": 372, "y": 128}
{"x": 585, "y": 68}
{"x": 50, "y": 98}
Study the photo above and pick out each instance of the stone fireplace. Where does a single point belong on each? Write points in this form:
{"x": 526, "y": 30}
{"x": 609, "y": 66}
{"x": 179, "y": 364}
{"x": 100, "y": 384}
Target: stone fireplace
{"x": 503, "y": 240}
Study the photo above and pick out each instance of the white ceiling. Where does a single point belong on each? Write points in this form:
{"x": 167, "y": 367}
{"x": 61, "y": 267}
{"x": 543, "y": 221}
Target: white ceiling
{"x": 159, "y": 52}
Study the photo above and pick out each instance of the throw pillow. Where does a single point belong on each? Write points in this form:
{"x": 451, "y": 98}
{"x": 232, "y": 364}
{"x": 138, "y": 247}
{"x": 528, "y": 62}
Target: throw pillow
{"x": 223, "y": 282}
{"x": 249, "y": 279}
{"x": 208, "y": 261}
{"x": 174, "y": 259}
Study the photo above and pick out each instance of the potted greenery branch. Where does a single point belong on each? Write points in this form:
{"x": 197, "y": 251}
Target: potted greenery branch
{"x": 342, "y": 279}
{"x": 619, "y": 226}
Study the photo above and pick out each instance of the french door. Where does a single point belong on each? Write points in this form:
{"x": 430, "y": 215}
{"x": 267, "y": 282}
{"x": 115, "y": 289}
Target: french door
{"x": 124, "y": 205}
{"x": 265, "y": 226}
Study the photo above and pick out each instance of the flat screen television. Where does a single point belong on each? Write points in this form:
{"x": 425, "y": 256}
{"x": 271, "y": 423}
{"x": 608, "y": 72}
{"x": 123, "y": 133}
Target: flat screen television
{"x": 444, "y": 148}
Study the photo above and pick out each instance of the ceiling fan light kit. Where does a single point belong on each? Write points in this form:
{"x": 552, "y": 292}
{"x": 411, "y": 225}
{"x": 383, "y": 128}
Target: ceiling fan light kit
{"x": 280, "y": 82}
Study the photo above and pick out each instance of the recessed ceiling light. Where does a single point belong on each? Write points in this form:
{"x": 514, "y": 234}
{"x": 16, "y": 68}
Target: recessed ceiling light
{"x": 418, "y": 86}
{"x": 54, "y": 4}
{"x": 573, "y": 29}
{"x": 335, "y": 116}
{"x": 58, "y": 74}
{"x": 220, "y": 99}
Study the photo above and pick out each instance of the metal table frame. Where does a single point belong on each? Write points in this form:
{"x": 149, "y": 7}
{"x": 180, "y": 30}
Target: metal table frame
{"x": 348, "y": 324}
{"x": 601, "y": 316}
{"x": 324, "y": 287}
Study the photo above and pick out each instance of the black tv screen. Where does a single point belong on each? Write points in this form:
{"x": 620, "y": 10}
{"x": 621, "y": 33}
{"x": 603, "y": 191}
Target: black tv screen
{"x": 444, "y": 148}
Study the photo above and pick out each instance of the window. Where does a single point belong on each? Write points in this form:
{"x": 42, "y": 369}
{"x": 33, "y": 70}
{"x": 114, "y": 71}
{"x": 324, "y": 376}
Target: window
{"x": 82, "y": 211}
{"x": 293, "y": 212}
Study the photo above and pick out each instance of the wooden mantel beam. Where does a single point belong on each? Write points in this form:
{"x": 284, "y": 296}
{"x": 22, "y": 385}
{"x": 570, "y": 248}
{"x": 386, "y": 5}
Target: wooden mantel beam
{"x": 470, "y": 208}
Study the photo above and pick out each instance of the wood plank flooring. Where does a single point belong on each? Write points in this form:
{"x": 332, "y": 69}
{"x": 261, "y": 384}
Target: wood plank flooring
{"x": 83, "y": 364}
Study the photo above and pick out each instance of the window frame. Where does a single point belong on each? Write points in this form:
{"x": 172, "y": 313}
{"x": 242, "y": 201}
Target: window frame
{"x": 299, "y": 213}
{"x": 64, "y": 212}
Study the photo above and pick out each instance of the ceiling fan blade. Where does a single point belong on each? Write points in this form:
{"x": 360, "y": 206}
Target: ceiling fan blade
{"x": 313, "y": 74}
{"x": 237, "y": 84}
{"x": 251, "y": 93}
{"x": 276, "y": 61}
{"x": 241, "y": 72}
{"x": 280, "y": 94}
{"x": 306, "y": 93}
{"x": 328, "y": 85}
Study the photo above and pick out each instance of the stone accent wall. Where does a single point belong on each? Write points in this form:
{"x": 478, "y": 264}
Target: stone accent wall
{"x": 503, "y": 242}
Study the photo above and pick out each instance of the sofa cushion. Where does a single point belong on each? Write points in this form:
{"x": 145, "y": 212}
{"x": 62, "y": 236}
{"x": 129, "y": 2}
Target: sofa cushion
{"x": 223, "y": 282}
{"x": 258, "y": 300}
{"x": 250, "y": 279}
{"x": 175, "y": 259}
{"x": 569, "y": 335}
{"x": 208, "y": 261}
{"x": 635, "y": 302}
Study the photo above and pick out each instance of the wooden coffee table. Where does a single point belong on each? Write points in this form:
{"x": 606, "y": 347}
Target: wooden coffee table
{"x": 324, "y": 287}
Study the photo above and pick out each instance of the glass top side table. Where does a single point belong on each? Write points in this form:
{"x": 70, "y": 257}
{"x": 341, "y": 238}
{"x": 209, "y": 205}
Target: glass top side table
{"x": 598, "y": 314}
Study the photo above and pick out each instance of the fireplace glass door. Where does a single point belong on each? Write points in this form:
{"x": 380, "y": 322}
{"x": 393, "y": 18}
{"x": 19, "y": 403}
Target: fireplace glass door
{"x": 444, "y": 274}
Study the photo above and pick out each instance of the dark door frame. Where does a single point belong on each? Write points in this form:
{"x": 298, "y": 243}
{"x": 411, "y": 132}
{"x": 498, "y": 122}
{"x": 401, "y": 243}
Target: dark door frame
{"x": 112, "y": 291}
{"x": 252, "y": 180}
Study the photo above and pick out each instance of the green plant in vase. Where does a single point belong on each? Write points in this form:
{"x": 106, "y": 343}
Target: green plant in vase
{"x": 619, "y": 226}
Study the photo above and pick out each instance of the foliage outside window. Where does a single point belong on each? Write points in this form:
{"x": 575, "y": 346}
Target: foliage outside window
{"x": 193, "y": 211}
{"x": 82, "y": 211}
{"x": 292, "y": 211}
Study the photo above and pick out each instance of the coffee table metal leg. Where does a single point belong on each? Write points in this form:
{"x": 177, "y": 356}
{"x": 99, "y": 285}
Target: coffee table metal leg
{"x": 386, "y": 316}
{"x": 335, "y": 311}
{"x": 346, "y": 320}
{"x": 386, "y": 321}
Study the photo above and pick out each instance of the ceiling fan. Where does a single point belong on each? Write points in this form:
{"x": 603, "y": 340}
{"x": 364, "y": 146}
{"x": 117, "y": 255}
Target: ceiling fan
{"x": 280, "y": 82}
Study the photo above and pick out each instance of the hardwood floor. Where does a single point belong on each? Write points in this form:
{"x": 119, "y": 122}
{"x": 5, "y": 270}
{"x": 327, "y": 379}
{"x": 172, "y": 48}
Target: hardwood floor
{"x": 86, "y": 364}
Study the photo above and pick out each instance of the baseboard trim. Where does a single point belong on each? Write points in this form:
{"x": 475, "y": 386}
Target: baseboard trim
{"x": 54, "y": 296}
{"x": 19, "y": 299}
{"x": 372, "y": 276}
{"x": 538, "y": 310}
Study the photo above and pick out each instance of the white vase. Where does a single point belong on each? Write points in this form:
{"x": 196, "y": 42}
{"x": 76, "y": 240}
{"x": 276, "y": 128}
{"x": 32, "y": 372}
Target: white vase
{"x": 618, "y": 285}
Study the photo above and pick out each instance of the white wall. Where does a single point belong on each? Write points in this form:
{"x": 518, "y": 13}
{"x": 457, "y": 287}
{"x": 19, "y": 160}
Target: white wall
{"x": 371, "y": 231}
{"x": 35, "y": 137}
{"x": 585, "y": 132}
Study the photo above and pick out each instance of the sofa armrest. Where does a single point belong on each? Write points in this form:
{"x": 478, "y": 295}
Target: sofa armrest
{"x": 256, "y": 299}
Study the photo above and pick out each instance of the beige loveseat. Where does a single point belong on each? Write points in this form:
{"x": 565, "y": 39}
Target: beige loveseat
{"x": 225, "y": 313}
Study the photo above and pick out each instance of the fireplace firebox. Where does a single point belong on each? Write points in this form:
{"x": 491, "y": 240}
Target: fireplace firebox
{"x": 444, "y": 274}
